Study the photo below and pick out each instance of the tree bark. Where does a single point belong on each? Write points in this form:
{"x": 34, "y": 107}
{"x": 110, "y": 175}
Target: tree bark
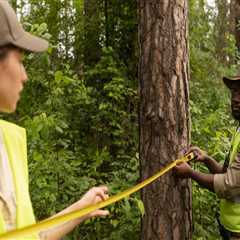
{"x": 164, "y": 117}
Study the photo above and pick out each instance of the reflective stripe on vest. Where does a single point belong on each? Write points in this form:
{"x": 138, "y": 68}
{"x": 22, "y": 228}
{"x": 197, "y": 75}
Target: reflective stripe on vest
{"x": 230, "y": 209}
{"x": 14, "y": 138}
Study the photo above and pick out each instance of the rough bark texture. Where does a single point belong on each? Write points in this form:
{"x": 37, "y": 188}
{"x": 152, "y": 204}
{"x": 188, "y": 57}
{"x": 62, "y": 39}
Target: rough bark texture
{"x": 164, "y": 116}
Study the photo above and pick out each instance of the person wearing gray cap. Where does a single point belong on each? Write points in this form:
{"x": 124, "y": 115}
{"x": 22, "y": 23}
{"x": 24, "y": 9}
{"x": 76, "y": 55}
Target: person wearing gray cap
{"x": 15, "y": 204}
{"x": 223, "y": 180}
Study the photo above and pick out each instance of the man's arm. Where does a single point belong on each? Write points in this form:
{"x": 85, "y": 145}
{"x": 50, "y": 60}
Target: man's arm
{"x": 93, "y": 196}
{"x": 201, "y": 156}
{"x": 203, "y": 179}
{"x": 184, "y": 170}
{"x": 212, "y": 165}
{"x": 225, "y": 185}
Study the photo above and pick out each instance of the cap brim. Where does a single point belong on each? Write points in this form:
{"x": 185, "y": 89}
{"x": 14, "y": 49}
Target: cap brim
{"x": 31, "y": 43}
{"x": 231, "y": 81}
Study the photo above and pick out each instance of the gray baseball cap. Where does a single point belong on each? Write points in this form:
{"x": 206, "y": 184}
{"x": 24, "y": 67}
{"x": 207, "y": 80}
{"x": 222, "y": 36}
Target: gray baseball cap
{"x": 12, "y": 32}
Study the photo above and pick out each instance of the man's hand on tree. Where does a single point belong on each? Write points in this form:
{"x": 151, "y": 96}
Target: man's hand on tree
{"x": 200, "y": 155}
{"x": 183, "y": 170}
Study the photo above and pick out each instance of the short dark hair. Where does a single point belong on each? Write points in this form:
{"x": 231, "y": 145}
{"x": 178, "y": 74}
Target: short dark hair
{"x": 4, "y": 50}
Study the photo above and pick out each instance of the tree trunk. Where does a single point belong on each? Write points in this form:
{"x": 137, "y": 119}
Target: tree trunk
{"x": 232, "y": 24}
{"x": 235, "y": 16}
{"x": 222, "y": 30}
{"x": 164, "y": 117}
{"x": 92, "y": 31}
{"x": 107, "y": 33}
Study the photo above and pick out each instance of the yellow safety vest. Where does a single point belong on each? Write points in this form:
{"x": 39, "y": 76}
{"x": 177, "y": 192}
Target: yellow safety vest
{"x": 230, "y": 210}
{"x": 14, "y": 138}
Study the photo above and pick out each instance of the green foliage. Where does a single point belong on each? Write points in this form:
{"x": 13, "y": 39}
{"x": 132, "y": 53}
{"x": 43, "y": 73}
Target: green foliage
{"x": 80, "y": 109}
{"x": 82, "y": 132}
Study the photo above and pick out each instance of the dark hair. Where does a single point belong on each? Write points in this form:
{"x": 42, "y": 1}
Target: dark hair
{"x": 4, "y": 50}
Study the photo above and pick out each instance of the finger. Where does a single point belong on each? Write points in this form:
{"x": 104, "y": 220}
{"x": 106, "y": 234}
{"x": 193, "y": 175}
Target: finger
{"x": 100, "y": 213}
{"x": 196, "y": 151}
{"x": 196, "y": 148}
{"x": 101, "y": 192}
{"x": 100, "y": 198}
{"x": 104, "y": 188}
{"x": 180, "y": 164}
{"x": 188, "y": 151}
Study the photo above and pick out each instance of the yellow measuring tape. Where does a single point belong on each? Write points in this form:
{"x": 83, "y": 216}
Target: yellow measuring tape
{"x": 49, "y": 223}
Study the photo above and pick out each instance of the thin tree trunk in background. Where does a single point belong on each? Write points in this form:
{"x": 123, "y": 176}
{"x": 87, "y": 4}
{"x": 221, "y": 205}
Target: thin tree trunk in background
{"x": 222, "y": 30}
{"x": 78, "y": 46}
{"x": 232, "y": 17}
{"x": 66, "y": 30}
{"x": 164, "y": 117}
{"x": 106, "y": 23}
{"x": 235, "y": 12}
{"x": 92, "y": 31}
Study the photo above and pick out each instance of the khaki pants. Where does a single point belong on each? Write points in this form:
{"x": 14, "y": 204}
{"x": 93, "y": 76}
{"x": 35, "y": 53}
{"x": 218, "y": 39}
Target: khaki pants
{"x": 234, "y": 238}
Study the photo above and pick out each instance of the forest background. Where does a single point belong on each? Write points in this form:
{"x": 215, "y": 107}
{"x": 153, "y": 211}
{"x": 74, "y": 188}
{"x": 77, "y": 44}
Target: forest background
{"x": 80, "y": 106}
